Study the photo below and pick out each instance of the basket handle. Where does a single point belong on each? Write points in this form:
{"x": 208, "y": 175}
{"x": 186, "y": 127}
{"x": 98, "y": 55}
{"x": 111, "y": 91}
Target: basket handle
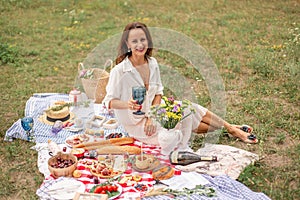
{"x": 110, "y": 63}
{"x": 80, "y": 66}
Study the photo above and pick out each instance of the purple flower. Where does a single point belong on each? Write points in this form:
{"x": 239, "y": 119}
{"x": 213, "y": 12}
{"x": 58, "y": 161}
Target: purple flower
{"x": 175, "y": 108}
{"x": 82, "y": 73}
{"x": 161, "y": 111}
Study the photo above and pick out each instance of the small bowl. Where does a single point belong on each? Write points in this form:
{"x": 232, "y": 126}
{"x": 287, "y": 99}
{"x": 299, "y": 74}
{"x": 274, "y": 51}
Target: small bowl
{"x": 97, "y": 121}
{"x": 64, "y": 171}
{"x": 114, "y": 135}
{"x": 111, "y": 123}
{"x": 144, "y": 163}
{"x": 78, "y": 152}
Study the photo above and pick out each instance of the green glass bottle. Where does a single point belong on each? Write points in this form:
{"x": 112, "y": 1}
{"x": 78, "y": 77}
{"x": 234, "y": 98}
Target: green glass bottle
{"x": 186, "y": 158}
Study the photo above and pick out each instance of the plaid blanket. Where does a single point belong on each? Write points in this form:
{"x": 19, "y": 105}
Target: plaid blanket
{"x": 35, "y": 107}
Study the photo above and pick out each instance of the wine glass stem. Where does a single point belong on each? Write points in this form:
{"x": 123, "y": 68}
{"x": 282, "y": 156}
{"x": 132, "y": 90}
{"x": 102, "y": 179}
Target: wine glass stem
{"x": 28, "y": 135}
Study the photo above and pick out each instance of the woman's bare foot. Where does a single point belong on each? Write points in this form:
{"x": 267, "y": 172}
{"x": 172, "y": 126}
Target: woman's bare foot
{"x": 236, "y": 131}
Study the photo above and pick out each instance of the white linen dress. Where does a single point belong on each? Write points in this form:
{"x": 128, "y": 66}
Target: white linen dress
{"x": 122, "y": 78}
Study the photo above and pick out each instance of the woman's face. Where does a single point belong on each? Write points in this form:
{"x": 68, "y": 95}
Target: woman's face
{"x": 137, "y": 42}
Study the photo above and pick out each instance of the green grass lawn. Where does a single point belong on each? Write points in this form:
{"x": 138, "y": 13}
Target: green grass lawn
{"x": 254, "y": 44}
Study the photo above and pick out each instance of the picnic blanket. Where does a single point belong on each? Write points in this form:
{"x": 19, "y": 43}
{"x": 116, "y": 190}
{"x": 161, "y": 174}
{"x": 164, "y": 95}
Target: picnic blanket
{"x": 35, "y": 107}
{"x": 226, "y": 187}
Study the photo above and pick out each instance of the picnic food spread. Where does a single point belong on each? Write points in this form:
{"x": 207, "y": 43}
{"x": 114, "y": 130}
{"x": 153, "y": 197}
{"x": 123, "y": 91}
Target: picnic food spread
{"x": 112, "y": 162}
{"x": 97, "y": 143}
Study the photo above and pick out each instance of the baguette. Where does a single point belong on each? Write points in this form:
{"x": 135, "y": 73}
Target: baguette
{"x": 121, "y": 141}
{"x": 114, "y": 149}
{"x": 88, "y": 144}
{"x": 115, "y": 141}
{"x": 88, "y": 148}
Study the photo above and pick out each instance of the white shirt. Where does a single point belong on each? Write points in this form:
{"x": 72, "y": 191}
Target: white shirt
{"x": 122, "y": 78}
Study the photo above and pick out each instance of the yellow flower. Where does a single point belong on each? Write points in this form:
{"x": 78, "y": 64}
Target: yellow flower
{"x": 169, "y": 113}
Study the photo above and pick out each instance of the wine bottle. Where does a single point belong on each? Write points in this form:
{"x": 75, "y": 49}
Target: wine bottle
{"x": 186, "y": 158}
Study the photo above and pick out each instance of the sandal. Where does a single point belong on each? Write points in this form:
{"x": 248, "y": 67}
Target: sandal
{"x": 245, "y": 128}
{"x": 252, "y": 139}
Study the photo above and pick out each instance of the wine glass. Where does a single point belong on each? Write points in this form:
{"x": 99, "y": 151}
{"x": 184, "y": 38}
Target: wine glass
{"x": 138, "y": 94}
{"x": 27, "y": 125}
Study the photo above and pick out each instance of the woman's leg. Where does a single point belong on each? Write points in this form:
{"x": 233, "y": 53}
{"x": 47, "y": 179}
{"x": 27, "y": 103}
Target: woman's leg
{"x": 211, "y": 122}
{"x": 204, "y": 128}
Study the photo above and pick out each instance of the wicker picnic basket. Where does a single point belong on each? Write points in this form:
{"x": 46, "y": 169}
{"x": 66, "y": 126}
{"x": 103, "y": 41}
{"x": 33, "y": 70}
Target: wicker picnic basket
{"x": 66, "y": 171}
{"x": 95, "y": 87}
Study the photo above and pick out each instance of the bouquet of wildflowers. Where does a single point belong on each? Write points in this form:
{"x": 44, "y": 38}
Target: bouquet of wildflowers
{"x": 169, "y": 113}
{"x": 86, "y": 73}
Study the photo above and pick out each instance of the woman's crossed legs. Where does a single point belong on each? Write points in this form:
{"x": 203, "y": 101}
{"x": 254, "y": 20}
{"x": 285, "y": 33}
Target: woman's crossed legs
{"x": 212, "y": 122}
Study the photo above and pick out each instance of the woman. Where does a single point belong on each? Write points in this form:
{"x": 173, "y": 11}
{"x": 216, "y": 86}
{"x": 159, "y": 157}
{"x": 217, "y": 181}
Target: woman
{"x": 136, "y": 67}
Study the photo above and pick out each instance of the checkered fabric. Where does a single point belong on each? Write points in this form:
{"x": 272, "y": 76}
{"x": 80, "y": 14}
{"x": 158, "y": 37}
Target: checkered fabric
{"x": 226, "y": 188}
{"x": 35, "y": 107}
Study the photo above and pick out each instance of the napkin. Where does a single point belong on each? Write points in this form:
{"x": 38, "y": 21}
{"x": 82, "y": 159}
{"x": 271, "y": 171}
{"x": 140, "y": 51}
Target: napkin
{"x": 185, "y": 180}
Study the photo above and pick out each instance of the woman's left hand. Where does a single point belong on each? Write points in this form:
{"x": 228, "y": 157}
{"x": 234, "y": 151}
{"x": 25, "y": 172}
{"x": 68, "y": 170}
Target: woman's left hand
{"x": 150, "y": 127}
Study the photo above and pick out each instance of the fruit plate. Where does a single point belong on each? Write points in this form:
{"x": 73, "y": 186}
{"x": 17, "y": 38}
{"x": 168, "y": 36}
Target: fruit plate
{"x": 112, "y": 194}
{"x": 77, "y": 139}
{"x": 112, "y": 175}
{"x": 107, "y": 168}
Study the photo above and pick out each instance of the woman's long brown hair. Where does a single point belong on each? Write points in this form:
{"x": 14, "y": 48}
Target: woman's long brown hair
{"x": 123, "y": 49}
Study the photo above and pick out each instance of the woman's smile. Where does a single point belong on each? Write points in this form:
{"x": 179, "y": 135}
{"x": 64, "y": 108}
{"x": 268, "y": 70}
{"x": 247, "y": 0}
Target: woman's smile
{"x": 141, "y": 50}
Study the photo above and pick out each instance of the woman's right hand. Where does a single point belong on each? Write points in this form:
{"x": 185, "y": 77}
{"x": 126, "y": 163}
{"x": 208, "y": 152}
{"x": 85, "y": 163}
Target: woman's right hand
{"x": 133, "y": 105}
